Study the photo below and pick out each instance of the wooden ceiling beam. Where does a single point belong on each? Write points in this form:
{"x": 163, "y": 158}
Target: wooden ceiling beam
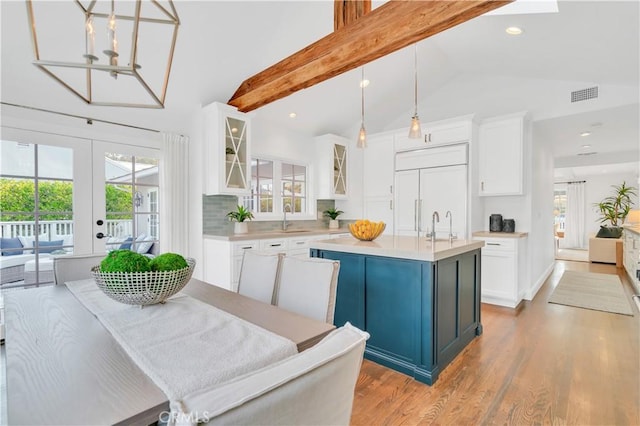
{"x": 390, "y": 27}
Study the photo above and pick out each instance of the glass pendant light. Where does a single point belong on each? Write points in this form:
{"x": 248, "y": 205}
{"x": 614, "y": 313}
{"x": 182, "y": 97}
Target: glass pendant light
{"x": 414, "y": 129}
{"x": 362, "y": 135}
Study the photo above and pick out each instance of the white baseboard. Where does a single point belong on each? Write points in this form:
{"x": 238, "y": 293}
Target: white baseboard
{"x": 529, "y": 295}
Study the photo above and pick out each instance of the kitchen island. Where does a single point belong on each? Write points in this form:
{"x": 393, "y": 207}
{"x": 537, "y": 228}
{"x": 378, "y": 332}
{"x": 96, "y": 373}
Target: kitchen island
{"x": 420, "y": 303}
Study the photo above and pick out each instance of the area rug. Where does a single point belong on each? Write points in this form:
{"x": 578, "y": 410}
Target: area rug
{"x": 600, "y": 292}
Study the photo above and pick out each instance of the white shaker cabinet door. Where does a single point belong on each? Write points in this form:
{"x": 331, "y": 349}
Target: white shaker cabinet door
{"x": 444, "y": 189}
{"x": 407, "y": 202}
{"x": 501, "y": 157}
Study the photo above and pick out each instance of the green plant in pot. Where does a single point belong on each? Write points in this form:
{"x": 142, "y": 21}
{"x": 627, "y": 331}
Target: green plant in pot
{"x": 240, "y": 215}
{"x": 333, "y": 214}
{"x": 230, "y": 153}
{"x": 614, "y": 209}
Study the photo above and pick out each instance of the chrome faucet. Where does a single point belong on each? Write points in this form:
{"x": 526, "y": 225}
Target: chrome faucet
{"x": 284, "y": 222}
{"x": 435, "y": 217}
{"x": 450, "y": 216}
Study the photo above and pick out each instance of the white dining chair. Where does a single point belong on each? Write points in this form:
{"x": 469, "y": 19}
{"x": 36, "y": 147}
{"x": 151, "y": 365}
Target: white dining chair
{"x": 314, "y": 387}
{"x": 307, "y": 286}
{"x": 73, "y": 268}
{"x": 259, "y": 275}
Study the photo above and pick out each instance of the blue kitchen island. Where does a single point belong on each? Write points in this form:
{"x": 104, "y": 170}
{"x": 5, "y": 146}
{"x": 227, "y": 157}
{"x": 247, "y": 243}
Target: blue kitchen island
{"x": 419, "y": 302}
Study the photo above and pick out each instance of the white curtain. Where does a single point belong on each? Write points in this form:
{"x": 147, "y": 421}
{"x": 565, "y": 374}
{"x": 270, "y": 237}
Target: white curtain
{"x": 574, "y": 220}
{"x": 174, "y": 181}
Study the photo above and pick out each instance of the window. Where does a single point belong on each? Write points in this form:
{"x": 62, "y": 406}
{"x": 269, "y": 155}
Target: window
{"x": 559, "y": 206}
{"x": 294, "y": 186}
{"x": 276, "y": 184}
{"x": 261, "y": 199}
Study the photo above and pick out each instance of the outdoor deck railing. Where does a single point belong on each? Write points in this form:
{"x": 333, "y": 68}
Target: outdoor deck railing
{"x": 114, "y": 228}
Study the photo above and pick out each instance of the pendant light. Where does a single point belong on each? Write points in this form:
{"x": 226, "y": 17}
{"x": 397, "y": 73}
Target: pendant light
{"x": 414, "y": 129}
{"x": 362, "y": 135}
{"x": 140, "y": 29}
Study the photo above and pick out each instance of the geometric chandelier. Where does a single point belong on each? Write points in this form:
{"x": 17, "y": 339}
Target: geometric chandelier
{"x": 107, "y": 52}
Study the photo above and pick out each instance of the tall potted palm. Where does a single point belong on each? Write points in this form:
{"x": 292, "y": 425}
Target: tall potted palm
{"x": 614, "y": 210}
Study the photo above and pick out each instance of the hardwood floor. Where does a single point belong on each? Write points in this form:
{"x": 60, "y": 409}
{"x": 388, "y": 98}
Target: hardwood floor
{"x": 540, "y": 364}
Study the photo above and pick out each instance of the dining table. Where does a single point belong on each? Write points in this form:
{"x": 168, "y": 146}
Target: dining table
{"x": 62, "y": 366}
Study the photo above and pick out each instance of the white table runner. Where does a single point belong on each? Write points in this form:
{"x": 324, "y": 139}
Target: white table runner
{"x": 184, "y": 345}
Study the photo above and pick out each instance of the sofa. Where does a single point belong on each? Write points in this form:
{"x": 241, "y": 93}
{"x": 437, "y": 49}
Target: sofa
{"x": 605, "y": 250}
{"x": 18, "y": 251}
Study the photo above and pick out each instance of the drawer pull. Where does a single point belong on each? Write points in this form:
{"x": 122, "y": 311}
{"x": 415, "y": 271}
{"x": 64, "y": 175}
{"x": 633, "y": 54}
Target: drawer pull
{"x": 247, "y": 247}
{"x": 275, "y": 245}
{"x": 299, "y": 242}
{"x": 493, "y": 244}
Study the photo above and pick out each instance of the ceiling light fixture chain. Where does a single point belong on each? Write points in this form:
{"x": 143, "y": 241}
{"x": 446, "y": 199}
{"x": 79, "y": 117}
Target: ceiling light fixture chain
{"x": 362, "y": 135}
{"x": 414, "y": 130}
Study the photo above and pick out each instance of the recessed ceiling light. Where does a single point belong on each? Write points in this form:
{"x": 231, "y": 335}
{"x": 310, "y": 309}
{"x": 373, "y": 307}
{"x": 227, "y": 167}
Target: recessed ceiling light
{"x": 364, "y": 83}
{"x": 585, "y": 134}
{"x": 514, "y": 30}
{"x": 292, "y": 115}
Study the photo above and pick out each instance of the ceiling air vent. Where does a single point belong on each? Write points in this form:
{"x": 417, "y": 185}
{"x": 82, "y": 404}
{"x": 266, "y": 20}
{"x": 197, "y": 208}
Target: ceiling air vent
{"x": 587, "y": 153}
{"x": 584, "y": 94}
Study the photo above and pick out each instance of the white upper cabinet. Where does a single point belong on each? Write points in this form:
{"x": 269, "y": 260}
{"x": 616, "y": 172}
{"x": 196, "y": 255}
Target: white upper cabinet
{"x": 227, "y": 139}
{"x": 437, "y": 133}
{"x": 332, "y": 171}
{"x": 500, "y": 147}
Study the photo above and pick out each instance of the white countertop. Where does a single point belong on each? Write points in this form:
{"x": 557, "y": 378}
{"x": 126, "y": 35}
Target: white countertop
{"x": 276, "y": 234}
{"x": 635, "y": 228}
{"x": 400, "y": 247}
{"x": 489, "y": 234}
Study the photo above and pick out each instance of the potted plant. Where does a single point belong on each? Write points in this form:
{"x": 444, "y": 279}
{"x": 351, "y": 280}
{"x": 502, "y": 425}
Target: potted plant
{"x": 239, "y": 216}
{"x": 614, "y": 209}
{"x": 333, "y": 214}
{"x": 230, "y": 153}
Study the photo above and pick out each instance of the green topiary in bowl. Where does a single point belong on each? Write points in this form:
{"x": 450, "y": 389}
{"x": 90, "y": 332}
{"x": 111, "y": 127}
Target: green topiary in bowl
{"x": 124, "y": 261}
{"x": 168, "y": 262}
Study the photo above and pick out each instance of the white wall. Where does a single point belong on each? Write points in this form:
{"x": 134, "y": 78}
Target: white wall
{"x": 541, "y": 240}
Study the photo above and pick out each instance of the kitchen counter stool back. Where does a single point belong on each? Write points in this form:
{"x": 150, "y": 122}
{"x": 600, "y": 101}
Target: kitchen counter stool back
{"x": 307, "y": 287}
{"x": 259, "y": 275}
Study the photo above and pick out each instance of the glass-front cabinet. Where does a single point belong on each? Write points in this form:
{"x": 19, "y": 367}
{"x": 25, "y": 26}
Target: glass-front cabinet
{"x": 227, "y": 136}
{"x": 332, "y": 168}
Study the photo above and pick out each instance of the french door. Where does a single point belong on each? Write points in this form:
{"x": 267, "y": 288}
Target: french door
{"x": 63, "y": 195}
{"x": 125, "y": 187}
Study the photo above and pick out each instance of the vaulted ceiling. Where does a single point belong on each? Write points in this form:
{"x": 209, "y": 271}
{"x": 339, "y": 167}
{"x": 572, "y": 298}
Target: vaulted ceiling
{"x": 472, "y": 68}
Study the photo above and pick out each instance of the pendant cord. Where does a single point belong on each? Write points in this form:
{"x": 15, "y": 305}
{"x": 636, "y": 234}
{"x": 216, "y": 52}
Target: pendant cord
{"x": 415, "y": 85}
{"x": 362, "y": 97}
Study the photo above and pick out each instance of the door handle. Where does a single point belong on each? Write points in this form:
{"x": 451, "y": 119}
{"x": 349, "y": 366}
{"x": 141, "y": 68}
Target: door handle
{"x": 100, "y": 235}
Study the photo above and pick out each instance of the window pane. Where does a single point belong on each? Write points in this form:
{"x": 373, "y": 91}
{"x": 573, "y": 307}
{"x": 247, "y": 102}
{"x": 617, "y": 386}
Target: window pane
{"x": 146, "y": 171}
{"x": 294, "y": 187}
{"x": 117, "y": 167}
{"x": 261, "y": 198}
{"x": 17, "y": 201}
{"x": 55, "y": 162}
{"x": 17, "y": 159}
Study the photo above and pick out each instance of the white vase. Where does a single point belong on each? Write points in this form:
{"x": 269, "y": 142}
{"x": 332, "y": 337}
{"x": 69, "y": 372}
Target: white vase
{"x": 240, "y": 228}
{"x": 334, "y": 224}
